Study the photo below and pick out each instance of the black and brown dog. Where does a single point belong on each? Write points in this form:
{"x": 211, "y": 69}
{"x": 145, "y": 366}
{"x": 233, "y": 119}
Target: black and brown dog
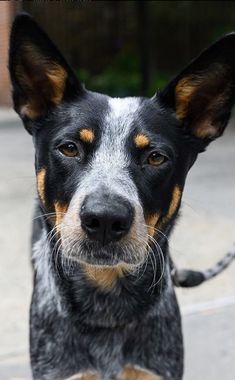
{"x": 110, "y": 177}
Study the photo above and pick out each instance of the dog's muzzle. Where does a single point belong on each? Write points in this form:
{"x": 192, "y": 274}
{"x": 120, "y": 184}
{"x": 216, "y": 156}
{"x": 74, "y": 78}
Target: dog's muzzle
{"x": 104, "y": 227}
{"x": 106, "y": 218}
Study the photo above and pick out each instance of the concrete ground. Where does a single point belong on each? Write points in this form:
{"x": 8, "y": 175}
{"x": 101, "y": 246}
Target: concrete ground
{"x": 204, "y": 233}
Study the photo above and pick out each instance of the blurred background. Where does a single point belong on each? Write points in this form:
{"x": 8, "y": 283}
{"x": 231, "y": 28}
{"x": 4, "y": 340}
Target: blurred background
{"x": 125, "y": 48}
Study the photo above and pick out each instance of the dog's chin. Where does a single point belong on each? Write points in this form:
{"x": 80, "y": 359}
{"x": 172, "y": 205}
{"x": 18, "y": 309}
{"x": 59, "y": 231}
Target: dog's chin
{"x": 111, "y": 255}
{"x": 103, "y": 262}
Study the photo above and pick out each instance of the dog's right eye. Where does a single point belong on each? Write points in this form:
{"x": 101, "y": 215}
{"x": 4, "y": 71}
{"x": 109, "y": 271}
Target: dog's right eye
{"x": 69, "y": 149}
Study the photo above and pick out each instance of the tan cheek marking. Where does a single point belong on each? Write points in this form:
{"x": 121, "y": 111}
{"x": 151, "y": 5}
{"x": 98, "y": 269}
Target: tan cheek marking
{"x": 60, "y": 211}
{"x": 106, "y": 277}
{"x": 41, "y": 184}
{"x": 155, "y": 220}
{"x": 176, "y": 196}
{"x": 151, "y": 221}
{"x": 87, "y": 135}
{"x": 141, "y": 141}
{"x": 137, "y": 374}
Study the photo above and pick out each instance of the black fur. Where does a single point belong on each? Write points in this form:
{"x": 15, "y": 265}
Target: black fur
{"x": 76, "y": 325}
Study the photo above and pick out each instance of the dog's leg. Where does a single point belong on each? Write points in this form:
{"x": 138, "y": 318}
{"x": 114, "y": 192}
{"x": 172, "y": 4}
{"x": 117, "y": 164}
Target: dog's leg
{"x": 130, "y": 373}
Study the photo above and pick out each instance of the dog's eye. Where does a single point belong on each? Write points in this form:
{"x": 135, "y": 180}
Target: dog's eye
{"x": 69, "y": 150}
{"x": 156, "y": 159}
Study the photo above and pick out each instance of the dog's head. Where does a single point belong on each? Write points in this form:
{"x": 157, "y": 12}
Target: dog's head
{"x": 110, "y": 171}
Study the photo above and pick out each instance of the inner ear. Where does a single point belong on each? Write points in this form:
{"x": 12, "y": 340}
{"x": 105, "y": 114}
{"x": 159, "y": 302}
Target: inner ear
{"x": 41, "y": 77}
{"x": 201, "y": 99}
{"x": 41, "y": 80}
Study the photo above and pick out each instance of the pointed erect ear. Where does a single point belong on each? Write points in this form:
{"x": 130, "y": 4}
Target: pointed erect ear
{"x": 40, "y": 76}
{"x": 203, "y": 94}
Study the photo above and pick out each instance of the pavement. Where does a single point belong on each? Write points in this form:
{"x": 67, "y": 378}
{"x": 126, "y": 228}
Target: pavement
{"x": 205, "y": 231}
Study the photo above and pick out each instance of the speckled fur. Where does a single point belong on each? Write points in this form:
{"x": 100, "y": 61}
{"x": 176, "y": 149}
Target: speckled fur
{"x": 77, "y": 327}
{"x": 102, "y": 331}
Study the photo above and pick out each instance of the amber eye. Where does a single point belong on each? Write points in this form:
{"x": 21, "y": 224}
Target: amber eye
{"x": 69, "y": 150}
{"x": 156, "y": 159}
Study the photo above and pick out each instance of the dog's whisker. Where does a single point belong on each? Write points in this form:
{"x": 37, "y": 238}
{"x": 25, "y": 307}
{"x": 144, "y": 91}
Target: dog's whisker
{"x": 161, "y": 258}
{"x": 49, "y": 214}
{"x": 156, "y": 230}
{"x": 149, "y": 254}
{"x": 110, "y": 162}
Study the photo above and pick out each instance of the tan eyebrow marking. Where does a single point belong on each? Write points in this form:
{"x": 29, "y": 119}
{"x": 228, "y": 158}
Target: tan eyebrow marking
{"x": 141, "y": 141}
{"x": 87, "y": 135}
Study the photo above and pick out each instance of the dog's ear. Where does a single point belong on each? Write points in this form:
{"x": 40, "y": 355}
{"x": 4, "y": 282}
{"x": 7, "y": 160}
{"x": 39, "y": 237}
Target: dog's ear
{"x": 203, "y": 94}
{"x": 41, "y": 78}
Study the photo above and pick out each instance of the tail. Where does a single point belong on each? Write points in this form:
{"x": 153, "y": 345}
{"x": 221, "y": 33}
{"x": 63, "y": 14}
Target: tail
{"x": 189, "y": 278}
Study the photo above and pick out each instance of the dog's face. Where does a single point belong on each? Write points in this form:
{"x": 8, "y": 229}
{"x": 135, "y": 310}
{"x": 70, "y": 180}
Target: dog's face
{"x": 107, "y": 168}
{"x": 110, "y": 171}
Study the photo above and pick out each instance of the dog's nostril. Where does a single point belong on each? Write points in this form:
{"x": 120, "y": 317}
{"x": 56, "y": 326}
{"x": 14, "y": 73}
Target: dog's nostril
{"x": 117, "y": 227}
{"x": 93, "y": 223}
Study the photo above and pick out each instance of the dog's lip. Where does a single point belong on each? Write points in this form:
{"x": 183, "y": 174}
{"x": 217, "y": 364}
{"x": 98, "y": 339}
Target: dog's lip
{"x": 99, "y": 263}
{"x": 109, "y": 262}
{"x": 111, "y": 265}
{"x": 103, "y": 260}
{"x": 110, "y": 255}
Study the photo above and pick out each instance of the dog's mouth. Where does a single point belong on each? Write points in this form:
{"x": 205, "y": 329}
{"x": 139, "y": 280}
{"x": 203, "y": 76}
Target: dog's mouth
{"x": 131, "y": 253}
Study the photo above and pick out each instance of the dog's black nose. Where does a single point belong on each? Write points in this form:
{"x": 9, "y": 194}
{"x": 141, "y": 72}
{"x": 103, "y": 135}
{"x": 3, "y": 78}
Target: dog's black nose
{"x": 106, "y": 218}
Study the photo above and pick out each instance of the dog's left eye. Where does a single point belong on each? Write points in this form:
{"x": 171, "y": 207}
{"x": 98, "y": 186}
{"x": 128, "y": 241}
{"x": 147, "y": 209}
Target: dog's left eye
{"x": 156, "y": 159}
{"x": 69, "y": 149}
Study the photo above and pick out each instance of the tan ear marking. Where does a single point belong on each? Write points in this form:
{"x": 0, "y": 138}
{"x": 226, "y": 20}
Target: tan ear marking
{"x": 30, "y": 110}
{"x": 141, "y": 141}
{"x": 57, "y": 77}
{"x": 87, "y": 135}
{"x": 201, "y": 97}
{"x": 41, "y": 184}
{"x": 43, "y": 82}
{"x": 183, "y": 93}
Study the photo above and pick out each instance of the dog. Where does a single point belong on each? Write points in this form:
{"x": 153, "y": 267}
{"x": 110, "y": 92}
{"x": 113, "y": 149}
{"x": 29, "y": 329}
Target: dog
{"x": 110, "y": 177}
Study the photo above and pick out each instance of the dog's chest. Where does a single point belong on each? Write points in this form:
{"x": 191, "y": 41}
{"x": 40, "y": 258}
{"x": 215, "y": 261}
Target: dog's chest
{"x": 75, "y": 346}
{"x": 80, "y": 328}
